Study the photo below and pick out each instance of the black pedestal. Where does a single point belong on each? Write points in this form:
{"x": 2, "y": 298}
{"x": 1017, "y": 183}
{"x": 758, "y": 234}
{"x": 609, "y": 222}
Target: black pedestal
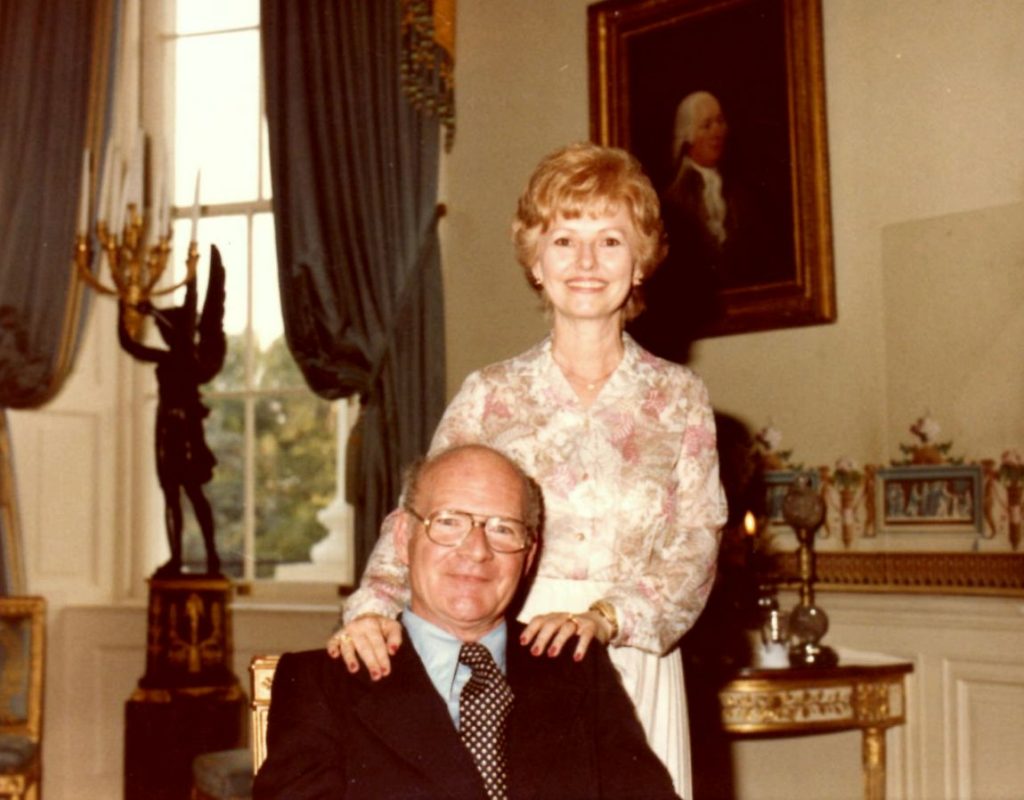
{"x": 163, "y": 738}
{"x": 188, "y": 702}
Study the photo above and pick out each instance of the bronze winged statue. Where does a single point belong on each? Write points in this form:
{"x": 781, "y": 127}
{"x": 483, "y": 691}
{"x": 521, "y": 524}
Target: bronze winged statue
{"x": 194, "y": 355}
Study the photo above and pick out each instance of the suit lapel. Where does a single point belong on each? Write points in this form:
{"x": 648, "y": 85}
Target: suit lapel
{"x": 406, "y": 713}
{"x": 547, "y": 704}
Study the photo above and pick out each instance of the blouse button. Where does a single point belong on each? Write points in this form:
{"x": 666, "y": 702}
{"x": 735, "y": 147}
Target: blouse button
{"x": 580, "y": 537}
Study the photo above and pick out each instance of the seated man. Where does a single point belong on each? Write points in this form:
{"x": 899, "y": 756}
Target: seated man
{"x": 460, "y": 715}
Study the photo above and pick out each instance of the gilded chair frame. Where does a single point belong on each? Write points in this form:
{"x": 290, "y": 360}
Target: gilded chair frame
{"x": 261, "y": 678}
{"x": 24, "y": 783}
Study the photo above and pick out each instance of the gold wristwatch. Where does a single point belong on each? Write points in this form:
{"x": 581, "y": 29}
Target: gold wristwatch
{"x": 607, "y": 610}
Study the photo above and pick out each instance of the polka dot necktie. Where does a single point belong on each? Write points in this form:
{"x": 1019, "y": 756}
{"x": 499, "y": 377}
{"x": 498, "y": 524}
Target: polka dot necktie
{"x": 484, "y": 706}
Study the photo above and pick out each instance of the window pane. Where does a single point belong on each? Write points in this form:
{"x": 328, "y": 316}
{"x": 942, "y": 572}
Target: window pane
{"x": 225, "y": 434}
{"x": 295, "y": 458}
{"x": 266, "y": 190}
{"x": 217, "y": 118}
{"x": 194, "y": 16}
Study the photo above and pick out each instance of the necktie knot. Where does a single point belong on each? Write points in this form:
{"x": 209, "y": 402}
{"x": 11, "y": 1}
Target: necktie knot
{"x": 478, "y": 658}
{"x": 484, "y": 706}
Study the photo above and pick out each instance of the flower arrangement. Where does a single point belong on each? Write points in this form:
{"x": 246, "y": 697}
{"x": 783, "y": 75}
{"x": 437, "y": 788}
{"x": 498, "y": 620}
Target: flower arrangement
{"x": 928, "y": 450}
{"x": 766, "y": 448}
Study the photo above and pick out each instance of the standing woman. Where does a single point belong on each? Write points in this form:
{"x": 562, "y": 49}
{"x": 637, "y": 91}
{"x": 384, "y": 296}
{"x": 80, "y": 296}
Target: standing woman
{"x": 621, "y": 442}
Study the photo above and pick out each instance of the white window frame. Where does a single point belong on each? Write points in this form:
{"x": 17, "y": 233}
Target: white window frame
{"x": 317, "y": 585}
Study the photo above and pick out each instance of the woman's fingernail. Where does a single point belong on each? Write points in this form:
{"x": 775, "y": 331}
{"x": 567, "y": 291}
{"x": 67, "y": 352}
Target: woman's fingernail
{"x": 392, "y": 648}
{"x": 374, "y": 674}
{"x": 552, "y": 651}
{"x": 577, "y": 656}
{"x": 523, "y": 639}
{"x": 535, "y": 651}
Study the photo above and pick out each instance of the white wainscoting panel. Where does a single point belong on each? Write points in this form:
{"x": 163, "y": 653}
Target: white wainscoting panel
{"x": 97, "y": 657}
{"x": 985, "y": 705}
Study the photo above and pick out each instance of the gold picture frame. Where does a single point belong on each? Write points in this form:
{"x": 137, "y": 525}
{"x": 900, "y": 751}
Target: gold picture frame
{"x": 763, "y": 60}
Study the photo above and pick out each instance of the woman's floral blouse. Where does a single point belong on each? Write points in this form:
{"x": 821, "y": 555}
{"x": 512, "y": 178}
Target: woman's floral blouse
{"x": 632, "y": 495}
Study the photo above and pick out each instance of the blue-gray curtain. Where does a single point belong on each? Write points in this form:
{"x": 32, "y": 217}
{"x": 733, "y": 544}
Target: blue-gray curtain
{"x": 354, "y": 167}
{"x": 54, "y": 69}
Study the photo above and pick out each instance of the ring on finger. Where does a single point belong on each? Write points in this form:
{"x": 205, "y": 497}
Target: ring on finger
{"x": 344, "y": 638}
{"x": 575, "y": 622}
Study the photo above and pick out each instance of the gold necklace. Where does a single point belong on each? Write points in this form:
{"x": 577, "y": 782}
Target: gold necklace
{"x": 590, "y": 385}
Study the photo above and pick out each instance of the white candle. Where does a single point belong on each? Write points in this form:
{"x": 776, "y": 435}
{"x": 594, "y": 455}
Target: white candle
{"x": 122, "y": 201}
{"x": 139, "y": 167}
{"x": 103, "y": 207}
{"x": 114, "y": 204}
{"x": 155, "y": 202}
{"x": 165, "y": 196}
{"x": 195, "y": 209}
{"x": 83, "y": 200}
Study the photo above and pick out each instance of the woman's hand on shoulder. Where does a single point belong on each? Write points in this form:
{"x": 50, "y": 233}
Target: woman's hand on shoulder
{"x": 549, "y": 632}
{"x": 372, "y": 639}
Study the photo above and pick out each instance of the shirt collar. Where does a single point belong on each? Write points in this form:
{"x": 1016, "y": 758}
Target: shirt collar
{"x": 439, "y": 650}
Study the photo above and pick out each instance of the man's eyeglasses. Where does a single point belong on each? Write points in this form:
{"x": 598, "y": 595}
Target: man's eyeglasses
{"x": 450, "y": 528}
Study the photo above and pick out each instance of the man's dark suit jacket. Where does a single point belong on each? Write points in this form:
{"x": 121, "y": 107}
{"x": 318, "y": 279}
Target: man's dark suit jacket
{"x": 573, "y": 733}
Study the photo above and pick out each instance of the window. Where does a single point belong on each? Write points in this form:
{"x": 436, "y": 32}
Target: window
{"x": 275, "y": 441}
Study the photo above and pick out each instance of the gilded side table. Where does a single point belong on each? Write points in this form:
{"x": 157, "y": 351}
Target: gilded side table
{"x": 797, "y": 701}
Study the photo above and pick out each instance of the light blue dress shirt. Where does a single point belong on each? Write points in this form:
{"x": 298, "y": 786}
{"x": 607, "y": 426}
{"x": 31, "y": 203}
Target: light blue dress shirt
{"x": 439, "y": 652}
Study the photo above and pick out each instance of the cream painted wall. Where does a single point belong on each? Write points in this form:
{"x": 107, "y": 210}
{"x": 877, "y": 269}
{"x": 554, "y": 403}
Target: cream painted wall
{"x": 925, "y": 117}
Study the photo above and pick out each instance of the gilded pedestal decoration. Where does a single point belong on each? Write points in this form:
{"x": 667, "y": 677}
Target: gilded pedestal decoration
{"x": 189, "y": 701}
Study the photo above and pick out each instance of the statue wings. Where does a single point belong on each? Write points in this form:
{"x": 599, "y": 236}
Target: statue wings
{"x": 212, "y": 344}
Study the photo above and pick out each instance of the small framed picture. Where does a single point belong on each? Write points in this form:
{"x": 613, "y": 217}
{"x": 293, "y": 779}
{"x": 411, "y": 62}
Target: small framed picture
{"x": 777, "y": 483}
{"x": 940, "y": 497}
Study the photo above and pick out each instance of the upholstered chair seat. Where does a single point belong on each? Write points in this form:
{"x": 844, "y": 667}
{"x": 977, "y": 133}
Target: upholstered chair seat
{"x": 223, "y": 775}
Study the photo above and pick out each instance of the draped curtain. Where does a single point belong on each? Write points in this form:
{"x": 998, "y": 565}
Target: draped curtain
{"x": 353, "y": 158}
{"x": 54, "y": 68}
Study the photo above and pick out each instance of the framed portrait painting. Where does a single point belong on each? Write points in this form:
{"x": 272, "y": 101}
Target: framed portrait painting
{"x": 722, "y": 102}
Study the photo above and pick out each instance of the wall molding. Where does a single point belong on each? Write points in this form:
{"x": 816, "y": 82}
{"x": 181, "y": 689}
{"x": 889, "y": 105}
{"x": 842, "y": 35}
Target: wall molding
{"x": 986, "y": 574}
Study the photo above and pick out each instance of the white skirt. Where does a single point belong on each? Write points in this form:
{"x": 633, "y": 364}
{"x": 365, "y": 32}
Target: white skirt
{"x": 655, "y": 683}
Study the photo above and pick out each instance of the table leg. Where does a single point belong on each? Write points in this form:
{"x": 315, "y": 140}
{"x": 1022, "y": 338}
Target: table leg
{"x": 873, "y": 763}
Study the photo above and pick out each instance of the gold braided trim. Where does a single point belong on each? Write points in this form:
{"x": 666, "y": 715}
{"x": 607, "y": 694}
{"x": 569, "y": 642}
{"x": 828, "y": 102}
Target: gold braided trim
{"x": 999, "y": 574}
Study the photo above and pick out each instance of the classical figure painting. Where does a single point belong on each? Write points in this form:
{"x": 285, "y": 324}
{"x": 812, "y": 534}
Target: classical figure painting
{"x": 722, "y": 101}
{"x": 946, "y": 497}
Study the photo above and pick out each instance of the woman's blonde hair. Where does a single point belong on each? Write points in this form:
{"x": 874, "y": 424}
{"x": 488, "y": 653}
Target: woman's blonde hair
{"x": 589, "y": 179}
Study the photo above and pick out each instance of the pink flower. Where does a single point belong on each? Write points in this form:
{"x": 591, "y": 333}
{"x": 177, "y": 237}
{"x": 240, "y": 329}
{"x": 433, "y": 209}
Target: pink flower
{"x": 654, "y": 403}
{"x": 624, "y": 437}
{"x": 770, "y": 438}
{"x": 697, "y": 439}
{"x": 494, "y": 406}
{"x": 926, "y": 429}
{"x": 561, "y": 481}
